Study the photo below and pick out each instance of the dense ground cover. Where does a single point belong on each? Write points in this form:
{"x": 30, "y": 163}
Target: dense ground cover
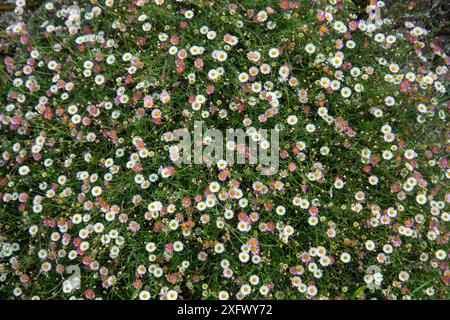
{"x": 94, "y": 203}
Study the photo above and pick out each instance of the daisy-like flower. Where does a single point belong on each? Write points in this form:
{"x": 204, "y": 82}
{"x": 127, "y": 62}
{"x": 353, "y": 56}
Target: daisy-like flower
{"x": 310, "y": 48}
{"x": 274, "y": 53}
{"x": 24, "y": 170}
{"x": 292, "y": 120}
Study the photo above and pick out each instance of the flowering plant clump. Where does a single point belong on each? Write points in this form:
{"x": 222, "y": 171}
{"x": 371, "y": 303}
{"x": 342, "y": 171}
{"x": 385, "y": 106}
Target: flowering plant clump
{"x": 96, "y": 204}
